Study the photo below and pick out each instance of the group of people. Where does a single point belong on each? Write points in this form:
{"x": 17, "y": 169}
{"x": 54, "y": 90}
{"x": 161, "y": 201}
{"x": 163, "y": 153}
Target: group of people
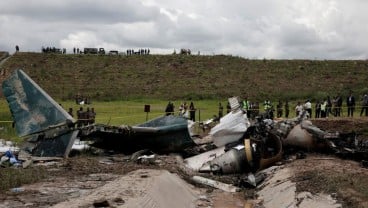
{"x": 333, "y": 106}
{"x": 81, "y": 100}
{"x": 84, "y": 117}
{"x": 141, "y": 51}
{"x": 53, "y": 50}
{"x": 252, "y": 108}
{"x": 323, "y": 108}
{"x": 184, "y": 110}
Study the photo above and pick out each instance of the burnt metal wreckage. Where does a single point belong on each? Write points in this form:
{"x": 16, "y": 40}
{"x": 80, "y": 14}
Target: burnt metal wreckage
{"x": 234, "y": 145}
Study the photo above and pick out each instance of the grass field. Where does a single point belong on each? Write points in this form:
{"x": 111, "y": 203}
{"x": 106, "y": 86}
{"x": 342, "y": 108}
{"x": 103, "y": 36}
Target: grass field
{"x": 120, "y": 86}
{"x": 130, "y": 112}
{"x": 178, "y": 77}
{"x": 119, "y": 112}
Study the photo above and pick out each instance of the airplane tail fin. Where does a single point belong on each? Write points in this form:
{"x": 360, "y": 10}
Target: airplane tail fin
{"x": 34, "y": 111}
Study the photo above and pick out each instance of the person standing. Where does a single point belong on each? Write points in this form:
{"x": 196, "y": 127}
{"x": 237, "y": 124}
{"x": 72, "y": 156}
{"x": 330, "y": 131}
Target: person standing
{"x": 298, "y": 109}
{"x": 323, "y": 109}
{"x": 339, "y": 106}
{"x": 364, "y": 105}
{"x": 256, "y": 109}
{"x": 70, "y": 112}
{"x": 317, "y": 109}
{"x": 328, "y": 106}
{"x": 228, "y": 107}
{"x": 267, "y": 105}
{"x": 279, "y": 109}
{"x": 268, "y": 108}
{"x": 308, "y": 107}
{"x": 185, "y": 110}
{"x": 169, "y": 109}
{"x": 350, "y": 102}
{"x": 287, "y": 109}
{"x": 245, "y": 104}
{"x": 192, "y": 111}
{"x": 80, "y": 117}
{"x": 92, "y": 116}
{"x": 221, "y": 111}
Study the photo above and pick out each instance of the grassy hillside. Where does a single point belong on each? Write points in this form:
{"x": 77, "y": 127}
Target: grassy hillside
{"x": 3, "y": 55}
{"x": 183, "y": 77}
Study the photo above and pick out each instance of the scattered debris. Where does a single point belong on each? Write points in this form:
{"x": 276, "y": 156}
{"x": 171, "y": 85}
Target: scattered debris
{"x": 10, "y": 158}
{"x": 17, "y": 189}
{"x": 8, "y": 146}
{"x": 197, "y": 161}
{"x": 279, "y": 191}
{"x": 215, "y": 184}
{"x": 234, "y": 146}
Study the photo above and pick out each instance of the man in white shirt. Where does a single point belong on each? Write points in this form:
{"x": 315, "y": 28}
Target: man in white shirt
{"x": 308, "y": 108}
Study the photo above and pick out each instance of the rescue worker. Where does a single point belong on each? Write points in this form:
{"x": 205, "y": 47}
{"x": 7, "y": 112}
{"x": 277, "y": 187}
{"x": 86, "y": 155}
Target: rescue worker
{"x": 245, "y": 104}
{"x": 268, "y": 108}
{"x": 267, "y": 105}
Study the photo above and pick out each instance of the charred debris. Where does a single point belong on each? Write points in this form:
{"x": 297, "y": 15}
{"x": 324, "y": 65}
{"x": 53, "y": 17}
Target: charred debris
{"x": 235, "y": 144}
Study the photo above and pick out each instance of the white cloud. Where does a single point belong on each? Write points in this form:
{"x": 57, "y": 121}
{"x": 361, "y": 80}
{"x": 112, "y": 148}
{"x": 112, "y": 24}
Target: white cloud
{"x": 331, "y": 29}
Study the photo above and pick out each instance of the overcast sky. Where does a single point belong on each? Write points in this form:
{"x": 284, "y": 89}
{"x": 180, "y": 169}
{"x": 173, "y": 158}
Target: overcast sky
{"x": 277, "y": 29}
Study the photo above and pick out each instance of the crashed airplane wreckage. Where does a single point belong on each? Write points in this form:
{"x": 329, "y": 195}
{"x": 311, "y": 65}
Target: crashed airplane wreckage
{"x": 236, "y": 144}
{"x": 50, "y": 131}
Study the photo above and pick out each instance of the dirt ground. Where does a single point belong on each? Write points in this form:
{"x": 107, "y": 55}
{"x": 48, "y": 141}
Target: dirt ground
{"x": 79, "y": 176}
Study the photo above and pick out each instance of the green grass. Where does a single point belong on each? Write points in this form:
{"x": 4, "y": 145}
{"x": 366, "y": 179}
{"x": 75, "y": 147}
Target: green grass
{"x": 120, "y": 86}
{"x": 132, "y": 112}
{"x": 129, "y": 112}
{"x": 176, "y": 77}
{"x": 15, "y": 177}
{"x": 118, "y": 112}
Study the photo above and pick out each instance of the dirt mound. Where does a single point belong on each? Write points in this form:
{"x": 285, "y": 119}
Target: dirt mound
{"x": 346, "y": 125}
{"x": 101, "y": 180}
{"x": 343, "y": 179}
{"x": 141, "y": 188}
